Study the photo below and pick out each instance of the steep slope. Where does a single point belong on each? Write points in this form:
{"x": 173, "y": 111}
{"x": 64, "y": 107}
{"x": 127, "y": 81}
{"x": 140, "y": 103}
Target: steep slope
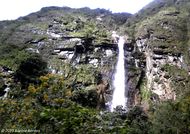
{"x": 160, "y": 28}
{"x": 159, "y": 36}
{"x": 163, "y": 39}
{"x": 70, "y": 41}
{"x": 57, "y": 64}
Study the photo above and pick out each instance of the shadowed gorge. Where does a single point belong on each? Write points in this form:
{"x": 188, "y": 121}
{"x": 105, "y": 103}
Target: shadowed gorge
{"x": 58, "y": 71}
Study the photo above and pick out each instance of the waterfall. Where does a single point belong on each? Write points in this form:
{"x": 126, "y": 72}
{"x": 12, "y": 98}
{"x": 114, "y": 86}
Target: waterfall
{"x": 119, "y": 98}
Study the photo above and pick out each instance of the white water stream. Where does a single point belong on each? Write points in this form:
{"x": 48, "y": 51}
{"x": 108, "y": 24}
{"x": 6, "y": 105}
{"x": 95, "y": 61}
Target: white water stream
{"x": 119, "y": 98}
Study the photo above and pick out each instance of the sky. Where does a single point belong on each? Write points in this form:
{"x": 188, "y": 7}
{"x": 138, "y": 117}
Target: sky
{"x": 12, "y": 9}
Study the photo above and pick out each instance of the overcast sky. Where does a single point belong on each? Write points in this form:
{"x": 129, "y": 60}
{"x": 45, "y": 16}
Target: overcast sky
{"x": 12, "y": 9}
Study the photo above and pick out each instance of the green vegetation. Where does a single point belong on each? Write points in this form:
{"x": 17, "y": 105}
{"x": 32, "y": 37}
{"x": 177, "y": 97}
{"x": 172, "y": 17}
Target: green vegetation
{"x": 68, "y": 101}
{"x": 172, "y": 117}
{"x": 180, "y": 79}
{"x": 144, "y": 92}
{"x": 12, "y": 56}
{"x": 49, "y": 107}
{"x": 168, "y": 26}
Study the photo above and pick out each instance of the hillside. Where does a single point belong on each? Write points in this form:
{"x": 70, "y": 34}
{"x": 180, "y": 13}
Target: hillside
{"x": 57, "y": 67}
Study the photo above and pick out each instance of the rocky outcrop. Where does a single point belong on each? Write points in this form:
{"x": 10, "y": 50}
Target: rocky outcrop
{"x": 79, "y": 50}
{"x": 159, "y": 48}
{"x": 132, "y": 72}
{"x": 83, "y": 51}
{"x": 158, "y": 81}
{"x": 6, "y": 78}
{"x": 145, "y": 63}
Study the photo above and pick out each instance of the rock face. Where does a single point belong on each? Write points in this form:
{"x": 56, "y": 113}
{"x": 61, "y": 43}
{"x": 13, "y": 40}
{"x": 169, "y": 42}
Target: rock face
{"x": 134, "y": 64}
{"x": 158, "y": 81}
{"x": 83, "y": 51}
{"x": 158, "y": 53}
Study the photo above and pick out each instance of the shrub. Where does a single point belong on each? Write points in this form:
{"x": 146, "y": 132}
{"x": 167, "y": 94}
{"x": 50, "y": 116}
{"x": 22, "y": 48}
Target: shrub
{"x": 30, "y": 69}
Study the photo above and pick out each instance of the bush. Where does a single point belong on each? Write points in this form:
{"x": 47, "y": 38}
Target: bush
{"x": 30, "y": 69}
{"x": 86, "y": 97}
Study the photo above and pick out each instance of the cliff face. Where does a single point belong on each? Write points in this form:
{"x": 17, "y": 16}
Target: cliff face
{"x": 161, "y": 42}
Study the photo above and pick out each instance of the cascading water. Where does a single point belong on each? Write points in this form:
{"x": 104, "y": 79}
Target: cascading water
{"x": 119, "y": 98}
